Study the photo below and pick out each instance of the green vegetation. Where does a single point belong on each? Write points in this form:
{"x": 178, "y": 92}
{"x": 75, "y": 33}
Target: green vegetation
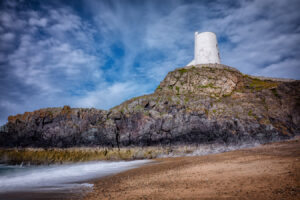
{"x": 182, "y": 71}
{"x": 214, "y": 110}
{"x": 170, "y": 87}
{"x": 122, "y": 110}
{"x": 210, "y": 85}
{"x": 227, "y": 95}
{"x": 50, "y": 113}
{"x": 186, "y": 99}
{"x": 158, "y": 88}
{"x": 264, "y": 103}
{"x": 228, "y": 69}
{"x": 146, "y": 112}
{"x": 206, "y": 112}
{"x": 240, "y": 90}
{"x": 216, "y": 95}
{"x": 177, "y": 89}
{"x": 258, "y": 84}
{"x": 250, "y": 113}
{"x": 138, "y": 108}
{"x": 274, "y": 91}
{"x": 211, "y": 69}
{"x": 202, "y": 86}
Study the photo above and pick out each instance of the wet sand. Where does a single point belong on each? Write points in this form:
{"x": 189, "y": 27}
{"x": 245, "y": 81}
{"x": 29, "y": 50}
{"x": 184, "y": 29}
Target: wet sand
{"x": 270, "y": 171}
{"x": 47, "y": 195}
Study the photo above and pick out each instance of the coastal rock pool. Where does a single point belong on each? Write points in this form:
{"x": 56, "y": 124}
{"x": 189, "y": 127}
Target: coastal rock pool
{"x": 56, "y": 181}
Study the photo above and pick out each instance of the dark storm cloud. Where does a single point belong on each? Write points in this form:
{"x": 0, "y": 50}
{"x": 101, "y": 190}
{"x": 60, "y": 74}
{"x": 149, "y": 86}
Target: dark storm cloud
{"x": 99, "y": 53}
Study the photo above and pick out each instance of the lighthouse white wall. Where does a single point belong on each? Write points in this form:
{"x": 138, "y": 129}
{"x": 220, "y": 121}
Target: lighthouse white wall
{"x": 206, "y": 49}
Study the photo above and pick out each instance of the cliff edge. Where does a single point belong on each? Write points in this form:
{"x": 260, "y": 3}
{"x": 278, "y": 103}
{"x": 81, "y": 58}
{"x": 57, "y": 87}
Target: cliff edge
{"x": 192, "y": 105}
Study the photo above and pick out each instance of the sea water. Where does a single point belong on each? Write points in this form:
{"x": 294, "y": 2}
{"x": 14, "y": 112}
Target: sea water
{"x": 54, "y": 181}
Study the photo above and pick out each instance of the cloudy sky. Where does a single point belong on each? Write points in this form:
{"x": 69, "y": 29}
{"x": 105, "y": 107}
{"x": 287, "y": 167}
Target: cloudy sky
{"x": 99, "y": 53}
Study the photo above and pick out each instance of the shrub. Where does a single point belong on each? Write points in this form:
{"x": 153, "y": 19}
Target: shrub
{"x": 274, "y": 91}
{"x": 182, "y": 71}
{"x": 177, "y": 89}
{"x": 258, "y": 84}
{"x": 250, "y": 113}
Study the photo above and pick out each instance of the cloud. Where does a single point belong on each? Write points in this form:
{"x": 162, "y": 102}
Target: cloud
{"x": 100, "y": 53}
{"x": 111, "y": 95}
{"x": 38, "y": 22}
{"x": 46, "y": 66}
{"x": 7, "y": 36}
{"x": 291, "y": 69}
{"x": 258, "y": 34}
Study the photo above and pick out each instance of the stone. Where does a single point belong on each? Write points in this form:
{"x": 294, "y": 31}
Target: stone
{"x": 210, "y": 103}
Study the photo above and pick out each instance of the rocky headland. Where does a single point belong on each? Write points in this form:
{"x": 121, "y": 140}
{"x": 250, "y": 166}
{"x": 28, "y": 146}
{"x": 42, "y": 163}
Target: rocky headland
{"x": 194, "y": 105}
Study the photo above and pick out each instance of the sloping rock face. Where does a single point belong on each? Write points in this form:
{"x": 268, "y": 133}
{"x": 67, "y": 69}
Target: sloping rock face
{"x": 195, "y": 105}
{"x": 55, "y": 127}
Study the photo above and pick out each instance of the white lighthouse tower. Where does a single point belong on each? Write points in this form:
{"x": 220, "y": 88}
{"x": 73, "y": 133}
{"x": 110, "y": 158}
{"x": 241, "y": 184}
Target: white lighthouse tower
{"x": 206, "y": 49}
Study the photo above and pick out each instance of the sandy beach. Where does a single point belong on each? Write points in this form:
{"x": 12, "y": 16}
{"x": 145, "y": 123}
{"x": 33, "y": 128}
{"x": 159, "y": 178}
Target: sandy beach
{"x": 270, "y": 171}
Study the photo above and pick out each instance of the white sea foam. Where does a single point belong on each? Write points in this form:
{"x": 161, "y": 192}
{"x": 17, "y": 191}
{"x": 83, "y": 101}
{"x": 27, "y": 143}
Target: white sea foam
{"x": 206, "y": 149}
{"x": 220, "y": 148}
{"x": 56, "y": 177}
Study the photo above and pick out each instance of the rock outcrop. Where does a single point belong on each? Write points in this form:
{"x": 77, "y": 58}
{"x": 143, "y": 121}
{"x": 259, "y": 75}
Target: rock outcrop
{"x": 194, "y": 105}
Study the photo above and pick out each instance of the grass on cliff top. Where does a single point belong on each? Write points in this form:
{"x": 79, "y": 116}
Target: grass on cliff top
{"x": 182, "y": 71}
{"x": 258, "y": 84}
{"x": 46, "y": 112}
{"x": 125, "y": 103}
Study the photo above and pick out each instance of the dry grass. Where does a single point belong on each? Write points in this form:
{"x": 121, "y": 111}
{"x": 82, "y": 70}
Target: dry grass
{"x": 57, "y": 155}
{"x": 67, "y": 155}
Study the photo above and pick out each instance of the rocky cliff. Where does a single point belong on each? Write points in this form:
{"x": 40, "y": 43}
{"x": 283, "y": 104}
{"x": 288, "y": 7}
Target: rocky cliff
{"x": 192, "y": 105}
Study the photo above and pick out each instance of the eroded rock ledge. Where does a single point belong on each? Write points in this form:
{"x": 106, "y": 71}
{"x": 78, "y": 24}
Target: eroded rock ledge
{"x": 195, "y": 105}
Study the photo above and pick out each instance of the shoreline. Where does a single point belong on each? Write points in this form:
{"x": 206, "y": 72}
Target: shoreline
{"x": 269, "y": 171}
{"x": 57, "y": 181}
{"x": 41, "y": 156}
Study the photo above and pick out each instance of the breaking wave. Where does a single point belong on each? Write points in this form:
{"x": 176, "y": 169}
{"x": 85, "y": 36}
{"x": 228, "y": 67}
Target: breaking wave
{"x": 59, "y": 177}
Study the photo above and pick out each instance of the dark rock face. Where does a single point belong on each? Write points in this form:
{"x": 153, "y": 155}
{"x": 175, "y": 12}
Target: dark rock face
{"x": 203, "y": 104}
{"x": 59, "y": 127}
